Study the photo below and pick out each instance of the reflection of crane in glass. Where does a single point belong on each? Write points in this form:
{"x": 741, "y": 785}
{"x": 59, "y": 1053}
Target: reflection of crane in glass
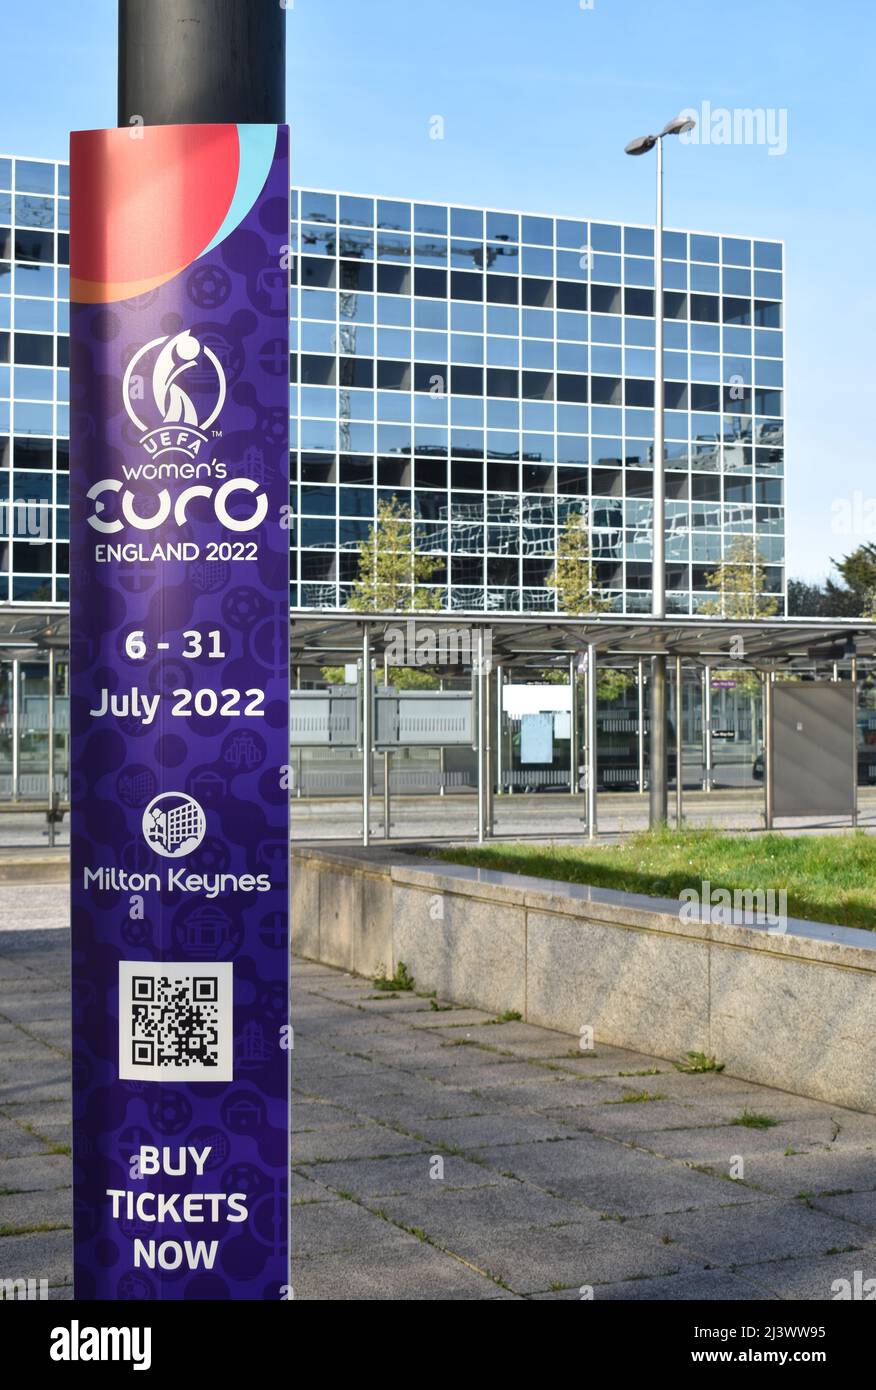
{"x": 394, "y": 247}
{"x": 356, "y": 244}
{"x": 34, "y": 212}
{"x": 344, "y": 412}
{"x": 326, "y": 239}
{"x": 348, "y": 333}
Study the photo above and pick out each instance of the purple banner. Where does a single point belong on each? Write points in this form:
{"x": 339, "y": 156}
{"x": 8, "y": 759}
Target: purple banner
{"x": 179, "y": 492}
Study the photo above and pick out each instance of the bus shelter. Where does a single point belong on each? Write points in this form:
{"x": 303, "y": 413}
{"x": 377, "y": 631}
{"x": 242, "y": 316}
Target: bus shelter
{"x": 809, "y": 684}
{"x": 485, "y": 654}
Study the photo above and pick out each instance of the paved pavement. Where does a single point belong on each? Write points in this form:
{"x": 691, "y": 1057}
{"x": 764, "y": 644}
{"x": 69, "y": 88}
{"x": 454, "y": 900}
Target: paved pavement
{"x": 418, "y": 818}
{"x": 547, "y": 816}
{"x": 35, "y": 1195}
{"x": 27, "y": 831}
{"x": 439, "y": 1155}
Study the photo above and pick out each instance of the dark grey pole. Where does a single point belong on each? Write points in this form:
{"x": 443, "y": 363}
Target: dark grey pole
{"x": 202, "y": 62}
{"x": 592, "y": 750}
{"x": 767, "y": 677}
{"x": 658, "y": 771}
{"x": 679, "y": 743}
{"x": 659, "y": 788}
{"x": 367, "y": 688}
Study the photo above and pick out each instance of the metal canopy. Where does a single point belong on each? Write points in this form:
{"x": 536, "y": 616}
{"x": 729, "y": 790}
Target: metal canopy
{"x": 329, "y": 637}
{"x": 31, "y": 625}
{"x": 525, "y": 642}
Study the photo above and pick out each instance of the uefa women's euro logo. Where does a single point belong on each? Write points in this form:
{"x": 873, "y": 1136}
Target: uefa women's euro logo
{"x": 181, "y": 394}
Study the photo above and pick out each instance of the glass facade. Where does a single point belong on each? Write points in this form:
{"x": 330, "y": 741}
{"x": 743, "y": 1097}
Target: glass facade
{"x": 492, "y": 370}
{"x": 34, "y": 394}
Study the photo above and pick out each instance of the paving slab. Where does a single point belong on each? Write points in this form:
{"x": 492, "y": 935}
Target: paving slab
{"x": 450, "y": 1215}
{"x": 365, "y": 1140}
{"x": 39, "y": 1255}
{"x": 304, "y": 1190}
{"x": 850, "y": 1169}
{"x": 416, "y": 1271}
{"x": 513, "y": 1082}
{"x": 35, "y": 1173}
{"x": 720, "y": 1145}
{"x": 311, "y": 1115}
{"x": 28, "y": 1211}
{"x": 16, "y": 1142}
{"x": 36, "y": 1115}
{"x": 761, "y": 1232}
{"x": 630, "y": 1119}
{"x": 611, "y": 1177}
{"x": 411, "y": 1105}
{"x": 448, "y": 1016}
{"x": 505, "y": 1127}
{"x": 694, "y": 1286}
{"x": 547, "y": 1258}
{"x": 388, "y": 1177}
{"x": 857, "y": 1207}
{"x": 340, "y": 1227}
{"x": 843, "y": 1276}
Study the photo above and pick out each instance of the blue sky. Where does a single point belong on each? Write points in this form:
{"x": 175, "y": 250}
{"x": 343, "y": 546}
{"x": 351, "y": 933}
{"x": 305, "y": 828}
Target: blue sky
{"x": 537, "y": 102}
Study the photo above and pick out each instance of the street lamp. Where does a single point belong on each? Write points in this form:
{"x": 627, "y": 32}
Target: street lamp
{"x": 659, "y": 791}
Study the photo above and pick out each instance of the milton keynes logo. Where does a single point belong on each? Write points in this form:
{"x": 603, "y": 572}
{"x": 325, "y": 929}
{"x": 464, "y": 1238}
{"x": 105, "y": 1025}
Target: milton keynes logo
{"x": 181, "y": 429}
{"x": 174, "y": 824}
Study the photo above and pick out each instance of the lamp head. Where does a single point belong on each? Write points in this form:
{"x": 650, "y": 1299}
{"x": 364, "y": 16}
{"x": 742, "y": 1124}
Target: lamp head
{"x": 642, "y": 145}
{"x": 680, "y": 126}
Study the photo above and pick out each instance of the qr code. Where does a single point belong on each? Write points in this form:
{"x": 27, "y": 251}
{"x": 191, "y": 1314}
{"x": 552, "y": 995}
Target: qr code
{"x": 175, "y": 1021}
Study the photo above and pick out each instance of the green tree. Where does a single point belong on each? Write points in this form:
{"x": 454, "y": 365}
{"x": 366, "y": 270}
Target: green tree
{"x": 611, "y": 681}
{"x": 859, "y": 569}
{"x": 402, "y": 677}
{"x": 739, "y": 584}
{"x": 579, "y": 595}
{"x": 856, "y": 597}
{"x": 393, "y": 577}
{"x": 806, "y": 600}
{"x": 574, "y": 572}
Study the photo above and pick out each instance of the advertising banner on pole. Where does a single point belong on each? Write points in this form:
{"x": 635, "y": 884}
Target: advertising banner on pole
{"x": 179, "y": 503}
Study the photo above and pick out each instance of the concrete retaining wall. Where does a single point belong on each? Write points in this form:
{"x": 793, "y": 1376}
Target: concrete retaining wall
{"x": 796, "y": 1009}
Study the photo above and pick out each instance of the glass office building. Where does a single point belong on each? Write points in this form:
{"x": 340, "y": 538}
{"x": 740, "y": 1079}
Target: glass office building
{"x": 34, "y": 394}
{"x": 494, "y": 371}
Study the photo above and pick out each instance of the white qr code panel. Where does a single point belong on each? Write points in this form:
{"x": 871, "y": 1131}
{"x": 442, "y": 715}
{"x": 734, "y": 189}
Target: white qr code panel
{"x": 175, "y": 1021}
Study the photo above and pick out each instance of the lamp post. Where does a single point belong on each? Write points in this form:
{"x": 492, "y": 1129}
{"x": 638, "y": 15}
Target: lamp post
{"x": 179, "y": 226}
{"x": 659, "y": 777}
{"x": 203, "y": 62}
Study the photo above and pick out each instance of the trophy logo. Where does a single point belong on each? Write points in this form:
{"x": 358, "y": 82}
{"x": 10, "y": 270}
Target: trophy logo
{"x": 187, "y": 388}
